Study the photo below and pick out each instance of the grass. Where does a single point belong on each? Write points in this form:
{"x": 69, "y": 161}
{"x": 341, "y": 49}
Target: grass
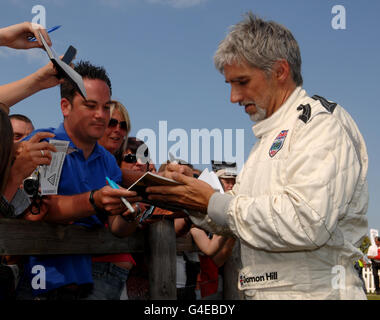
{"x": 373, "y": 296}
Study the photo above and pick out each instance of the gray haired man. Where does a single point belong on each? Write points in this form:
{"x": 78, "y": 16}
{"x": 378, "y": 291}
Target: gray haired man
{"x": 299, "y": 203}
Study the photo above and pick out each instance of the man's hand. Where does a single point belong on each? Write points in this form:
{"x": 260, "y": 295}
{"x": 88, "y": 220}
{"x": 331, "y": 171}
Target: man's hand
{"x": 31, "y": 154}
{"x": 71, "y": 208}
{"x": 194, "y": 194}
{"x": 172, "y": 168}
{"x": 44, "y": 204}
{"x": 109, "y": 199}
{"x": 133, "y": 217}
{"x": 46, "y": 77}
{"x": 16, "y": 36}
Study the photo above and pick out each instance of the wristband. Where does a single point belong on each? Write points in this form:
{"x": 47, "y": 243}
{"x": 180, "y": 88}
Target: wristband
{"x": 96, "y": 208}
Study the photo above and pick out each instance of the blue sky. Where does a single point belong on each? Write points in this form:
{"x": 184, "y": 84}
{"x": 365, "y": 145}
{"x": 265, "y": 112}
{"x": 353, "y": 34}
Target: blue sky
{"x": 158, "y": 54}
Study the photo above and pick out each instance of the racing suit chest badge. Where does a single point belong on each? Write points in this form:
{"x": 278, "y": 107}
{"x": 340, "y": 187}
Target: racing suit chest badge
{"x": 278, "y": 143}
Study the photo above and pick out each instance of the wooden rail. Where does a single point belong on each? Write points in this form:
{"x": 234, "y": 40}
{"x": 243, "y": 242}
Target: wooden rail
{"x": 158, "y": 241}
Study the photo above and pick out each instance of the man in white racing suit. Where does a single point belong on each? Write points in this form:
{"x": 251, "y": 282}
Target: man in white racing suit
{"x": 299, "y": 204}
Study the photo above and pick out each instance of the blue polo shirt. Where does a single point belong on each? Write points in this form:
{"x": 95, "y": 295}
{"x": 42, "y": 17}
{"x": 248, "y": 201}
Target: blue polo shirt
{"x": 79, "y": 175}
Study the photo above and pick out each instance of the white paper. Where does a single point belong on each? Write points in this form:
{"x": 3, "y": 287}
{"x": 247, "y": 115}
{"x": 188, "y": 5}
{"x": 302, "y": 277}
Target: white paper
{"x": 172, "y": 158}
{"x": 70, "y": 72}
{"x": 372, "y": 234}
{"x": 51, "y": 174}
{"x": 212, "y": 179}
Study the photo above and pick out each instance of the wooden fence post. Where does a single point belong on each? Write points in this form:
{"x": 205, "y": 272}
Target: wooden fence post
{"x": 162, "y": 260}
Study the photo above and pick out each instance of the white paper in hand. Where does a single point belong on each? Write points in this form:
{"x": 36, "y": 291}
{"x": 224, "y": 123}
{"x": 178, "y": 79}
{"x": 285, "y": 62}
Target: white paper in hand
{"x": 51, "y": 174}
{"x": 64, "y": 68}
{"x": 212, "y": 179}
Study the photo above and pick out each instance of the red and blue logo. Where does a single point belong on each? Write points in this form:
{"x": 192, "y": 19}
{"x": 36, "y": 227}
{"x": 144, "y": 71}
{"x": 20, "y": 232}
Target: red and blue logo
{"x": 278, "y": 143}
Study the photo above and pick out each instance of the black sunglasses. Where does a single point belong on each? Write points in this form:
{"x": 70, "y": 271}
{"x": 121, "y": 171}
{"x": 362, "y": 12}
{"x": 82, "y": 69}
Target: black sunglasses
{"x": 113, "y": 123}
{"x": 130, "y": 158}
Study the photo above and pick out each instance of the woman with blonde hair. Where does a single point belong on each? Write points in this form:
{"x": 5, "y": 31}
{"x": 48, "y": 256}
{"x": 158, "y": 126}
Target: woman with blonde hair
{"x": 116, "y": 135}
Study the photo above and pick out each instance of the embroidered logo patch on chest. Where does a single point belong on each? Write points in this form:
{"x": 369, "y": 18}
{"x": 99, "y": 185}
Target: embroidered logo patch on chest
{"x": 278, "y": 143}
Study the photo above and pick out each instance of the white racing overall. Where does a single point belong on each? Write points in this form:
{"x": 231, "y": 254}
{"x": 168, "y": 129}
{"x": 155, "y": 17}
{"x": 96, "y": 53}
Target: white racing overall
{"x": 299, "y": 204}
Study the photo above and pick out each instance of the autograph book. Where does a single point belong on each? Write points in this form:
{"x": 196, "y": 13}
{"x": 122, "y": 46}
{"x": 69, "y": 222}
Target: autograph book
{"x": 151, "y": 179}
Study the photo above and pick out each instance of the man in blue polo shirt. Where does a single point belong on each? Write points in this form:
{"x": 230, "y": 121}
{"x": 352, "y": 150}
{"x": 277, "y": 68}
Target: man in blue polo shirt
{"x": 83, "y": 195}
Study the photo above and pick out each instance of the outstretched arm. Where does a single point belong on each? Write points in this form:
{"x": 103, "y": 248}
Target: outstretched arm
{"x": 208, "y": 246}
{"x": 44, "y": 78}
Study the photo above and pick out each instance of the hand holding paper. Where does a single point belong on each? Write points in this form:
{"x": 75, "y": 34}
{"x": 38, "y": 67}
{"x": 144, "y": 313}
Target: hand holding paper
{"x": 192, "y": 194}
{"x": 64, "y": 70}
{"x": 28, "y": 156}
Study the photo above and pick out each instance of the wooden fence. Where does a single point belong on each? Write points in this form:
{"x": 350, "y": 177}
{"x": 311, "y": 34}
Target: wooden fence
{"x": 158, "y": 241}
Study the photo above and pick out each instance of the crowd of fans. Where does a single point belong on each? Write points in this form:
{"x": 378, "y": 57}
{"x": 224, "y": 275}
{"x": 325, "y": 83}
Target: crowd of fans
{"x": 98, "y": 130}
{"x": 298, "y": 206}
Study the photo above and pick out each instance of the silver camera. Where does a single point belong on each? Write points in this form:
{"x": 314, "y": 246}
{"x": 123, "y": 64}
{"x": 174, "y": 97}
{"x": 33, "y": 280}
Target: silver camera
{"x": 32, "y": 183}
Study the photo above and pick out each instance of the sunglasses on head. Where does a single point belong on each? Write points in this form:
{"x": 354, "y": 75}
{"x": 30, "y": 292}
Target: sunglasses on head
{"x": 113, "y": 123}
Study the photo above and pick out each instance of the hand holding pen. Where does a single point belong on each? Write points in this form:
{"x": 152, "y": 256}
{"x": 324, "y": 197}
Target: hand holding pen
{"x": 114, "y": 185}
{"x": 18, "y": 36}
{"x": 135, "y": 213}
{"x": 32, "y": 39}
{"x": 108, "y": 199}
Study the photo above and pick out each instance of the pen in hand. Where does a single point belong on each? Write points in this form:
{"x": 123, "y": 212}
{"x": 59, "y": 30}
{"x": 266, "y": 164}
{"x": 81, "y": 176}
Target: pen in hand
{"x": 48, "y": 31}
{"x": 114, "y": 185}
